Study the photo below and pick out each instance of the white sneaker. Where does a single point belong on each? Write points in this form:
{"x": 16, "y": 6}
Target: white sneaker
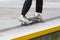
{"x": 23, "y": 19}
{"x": 38, "y": 16}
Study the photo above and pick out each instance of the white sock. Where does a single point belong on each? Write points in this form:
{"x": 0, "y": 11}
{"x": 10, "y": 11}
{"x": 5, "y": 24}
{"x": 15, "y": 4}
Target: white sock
{"x": 36, "y": 13}
{"x": 21, "y": 15}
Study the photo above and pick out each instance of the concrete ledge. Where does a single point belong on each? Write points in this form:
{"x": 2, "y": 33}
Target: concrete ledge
{"x": 39, "y": 33}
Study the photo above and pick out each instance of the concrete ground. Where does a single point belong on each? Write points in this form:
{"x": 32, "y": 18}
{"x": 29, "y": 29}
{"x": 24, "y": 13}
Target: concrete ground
{"x": 9, "y": 16}
{"x": 9, "y": 19}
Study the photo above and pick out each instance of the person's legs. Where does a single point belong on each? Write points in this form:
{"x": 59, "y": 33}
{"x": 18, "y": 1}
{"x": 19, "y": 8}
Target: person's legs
{"x": 39, "y": 7}
{"x": 26, "y": 7}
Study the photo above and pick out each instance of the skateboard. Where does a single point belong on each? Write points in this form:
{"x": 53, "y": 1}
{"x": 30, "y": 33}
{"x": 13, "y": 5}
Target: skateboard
{"x": 32, "y": 21}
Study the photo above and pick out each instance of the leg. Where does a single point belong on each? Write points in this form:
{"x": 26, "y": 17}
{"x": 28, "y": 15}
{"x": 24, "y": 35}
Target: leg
{"x": 26, "y": 7}
{"x": 39, "y": 6}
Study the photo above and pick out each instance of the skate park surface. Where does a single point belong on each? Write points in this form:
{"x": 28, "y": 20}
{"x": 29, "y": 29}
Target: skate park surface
{"x": 10, "y": 26}
{"x": 10, "y": 23}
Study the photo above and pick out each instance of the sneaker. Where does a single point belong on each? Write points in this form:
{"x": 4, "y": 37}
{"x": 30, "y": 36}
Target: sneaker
{"x": 23, "y": 19}
{"x": 38, "y": 16}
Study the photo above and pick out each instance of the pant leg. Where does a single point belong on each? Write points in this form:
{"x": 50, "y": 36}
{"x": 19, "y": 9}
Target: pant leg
{"x": 26, "y": 7}
{"x": 39, "y": 6}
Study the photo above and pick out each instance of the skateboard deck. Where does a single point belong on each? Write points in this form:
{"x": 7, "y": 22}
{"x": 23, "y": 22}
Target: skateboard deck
{"x": 32, "y": 21}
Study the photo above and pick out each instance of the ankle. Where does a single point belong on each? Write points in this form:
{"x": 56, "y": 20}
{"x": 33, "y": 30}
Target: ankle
{"x": 22, "y": 16}
{"x": 36, "y": 13}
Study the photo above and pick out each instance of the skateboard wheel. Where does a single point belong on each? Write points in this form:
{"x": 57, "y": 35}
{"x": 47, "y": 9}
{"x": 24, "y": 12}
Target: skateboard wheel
{"x": 26, "y": 24}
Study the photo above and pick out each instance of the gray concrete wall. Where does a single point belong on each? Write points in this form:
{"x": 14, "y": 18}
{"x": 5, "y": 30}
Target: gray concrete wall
{"x": 52, "y": 0}
{"x": 19, "y": 3}
{"x": 48, "y": 0}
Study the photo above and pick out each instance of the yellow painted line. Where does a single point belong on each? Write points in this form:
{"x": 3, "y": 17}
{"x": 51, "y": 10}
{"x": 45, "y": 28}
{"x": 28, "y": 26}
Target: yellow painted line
{"x": 36, "y": 34}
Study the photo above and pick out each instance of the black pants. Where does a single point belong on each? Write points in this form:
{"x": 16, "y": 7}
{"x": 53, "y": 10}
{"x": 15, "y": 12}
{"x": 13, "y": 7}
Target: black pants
{"x": 27, "y": 5}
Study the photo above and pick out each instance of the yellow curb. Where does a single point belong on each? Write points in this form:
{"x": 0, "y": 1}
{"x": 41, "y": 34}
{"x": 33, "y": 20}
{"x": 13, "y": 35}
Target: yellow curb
{"x": 36, "y": 34}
